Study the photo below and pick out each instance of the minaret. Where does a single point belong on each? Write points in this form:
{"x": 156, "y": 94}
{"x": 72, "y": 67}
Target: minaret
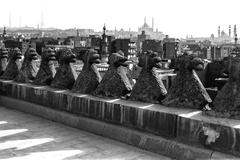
{"x": 104, "y": 46}
{"x": 104, "y": 32}
{"x": 235, "y": 39}
{"x": 235, "y": 30}
{"x": 152, "y": 23}
{"x": 218, "y": 31}
{"x": 4, "y": 32}
{"x": 145, "y": 21}
{"x": 229, "y": 31}
{"x": 78, "y": 35}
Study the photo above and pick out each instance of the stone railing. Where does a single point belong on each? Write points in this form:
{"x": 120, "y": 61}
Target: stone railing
{"x": 188, "y": 126}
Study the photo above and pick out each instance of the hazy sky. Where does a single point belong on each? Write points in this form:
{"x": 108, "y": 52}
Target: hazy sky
{"x": 177, "y": 18}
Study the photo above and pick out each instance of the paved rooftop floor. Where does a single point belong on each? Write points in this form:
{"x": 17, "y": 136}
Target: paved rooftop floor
{"x": 27, "y": 137}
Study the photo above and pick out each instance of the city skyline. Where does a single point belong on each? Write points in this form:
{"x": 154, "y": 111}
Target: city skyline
{"x": 175, "y": 18}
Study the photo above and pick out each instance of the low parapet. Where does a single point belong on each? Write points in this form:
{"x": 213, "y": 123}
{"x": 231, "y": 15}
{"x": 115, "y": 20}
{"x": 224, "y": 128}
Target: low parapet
{"x": 185, "y": 125}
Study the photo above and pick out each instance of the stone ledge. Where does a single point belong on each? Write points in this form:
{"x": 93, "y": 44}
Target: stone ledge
{"x": 183, "y": 125}
{"x": 142, "y": 140}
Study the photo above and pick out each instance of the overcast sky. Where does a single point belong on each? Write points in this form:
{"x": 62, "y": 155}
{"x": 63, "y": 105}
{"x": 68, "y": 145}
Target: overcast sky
{"x": 177, "y": 18}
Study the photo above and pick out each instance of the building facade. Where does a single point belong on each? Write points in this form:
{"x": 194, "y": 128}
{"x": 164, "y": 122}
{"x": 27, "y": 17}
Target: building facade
{"x": 170, "y": 48}
{"x": 127, "y": 46}
{"x": 153, "y": 45}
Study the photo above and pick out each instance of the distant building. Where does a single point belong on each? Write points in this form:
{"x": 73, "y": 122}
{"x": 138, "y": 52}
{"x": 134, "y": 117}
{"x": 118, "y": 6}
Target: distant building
{"x": 150, "y": 31}
{"x": 2, "y": 37}
{"x": 153, "y": 45}
{"x": 95, "y": 41}
{"x": 216, "y": 53}
{"x": 82, "y": 42}
{"x": 126, "y": 45}
{"x": 201, "y": 49}
{"x": 145, "y": 27}
{"x": 140, "y": 38}
{"x": 69, "y": 41}
{"x": 170, "y": 48}
{"x": 219, "y": 52}
{"x": 10, "y": 43}
{"x": 40, "y": 43}
{"x": 222, "y": 38}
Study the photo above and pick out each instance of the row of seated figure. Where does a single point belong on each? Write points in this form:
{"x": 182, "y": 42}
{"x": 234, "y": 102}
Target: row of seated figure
{"x": 186, "y": 90}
